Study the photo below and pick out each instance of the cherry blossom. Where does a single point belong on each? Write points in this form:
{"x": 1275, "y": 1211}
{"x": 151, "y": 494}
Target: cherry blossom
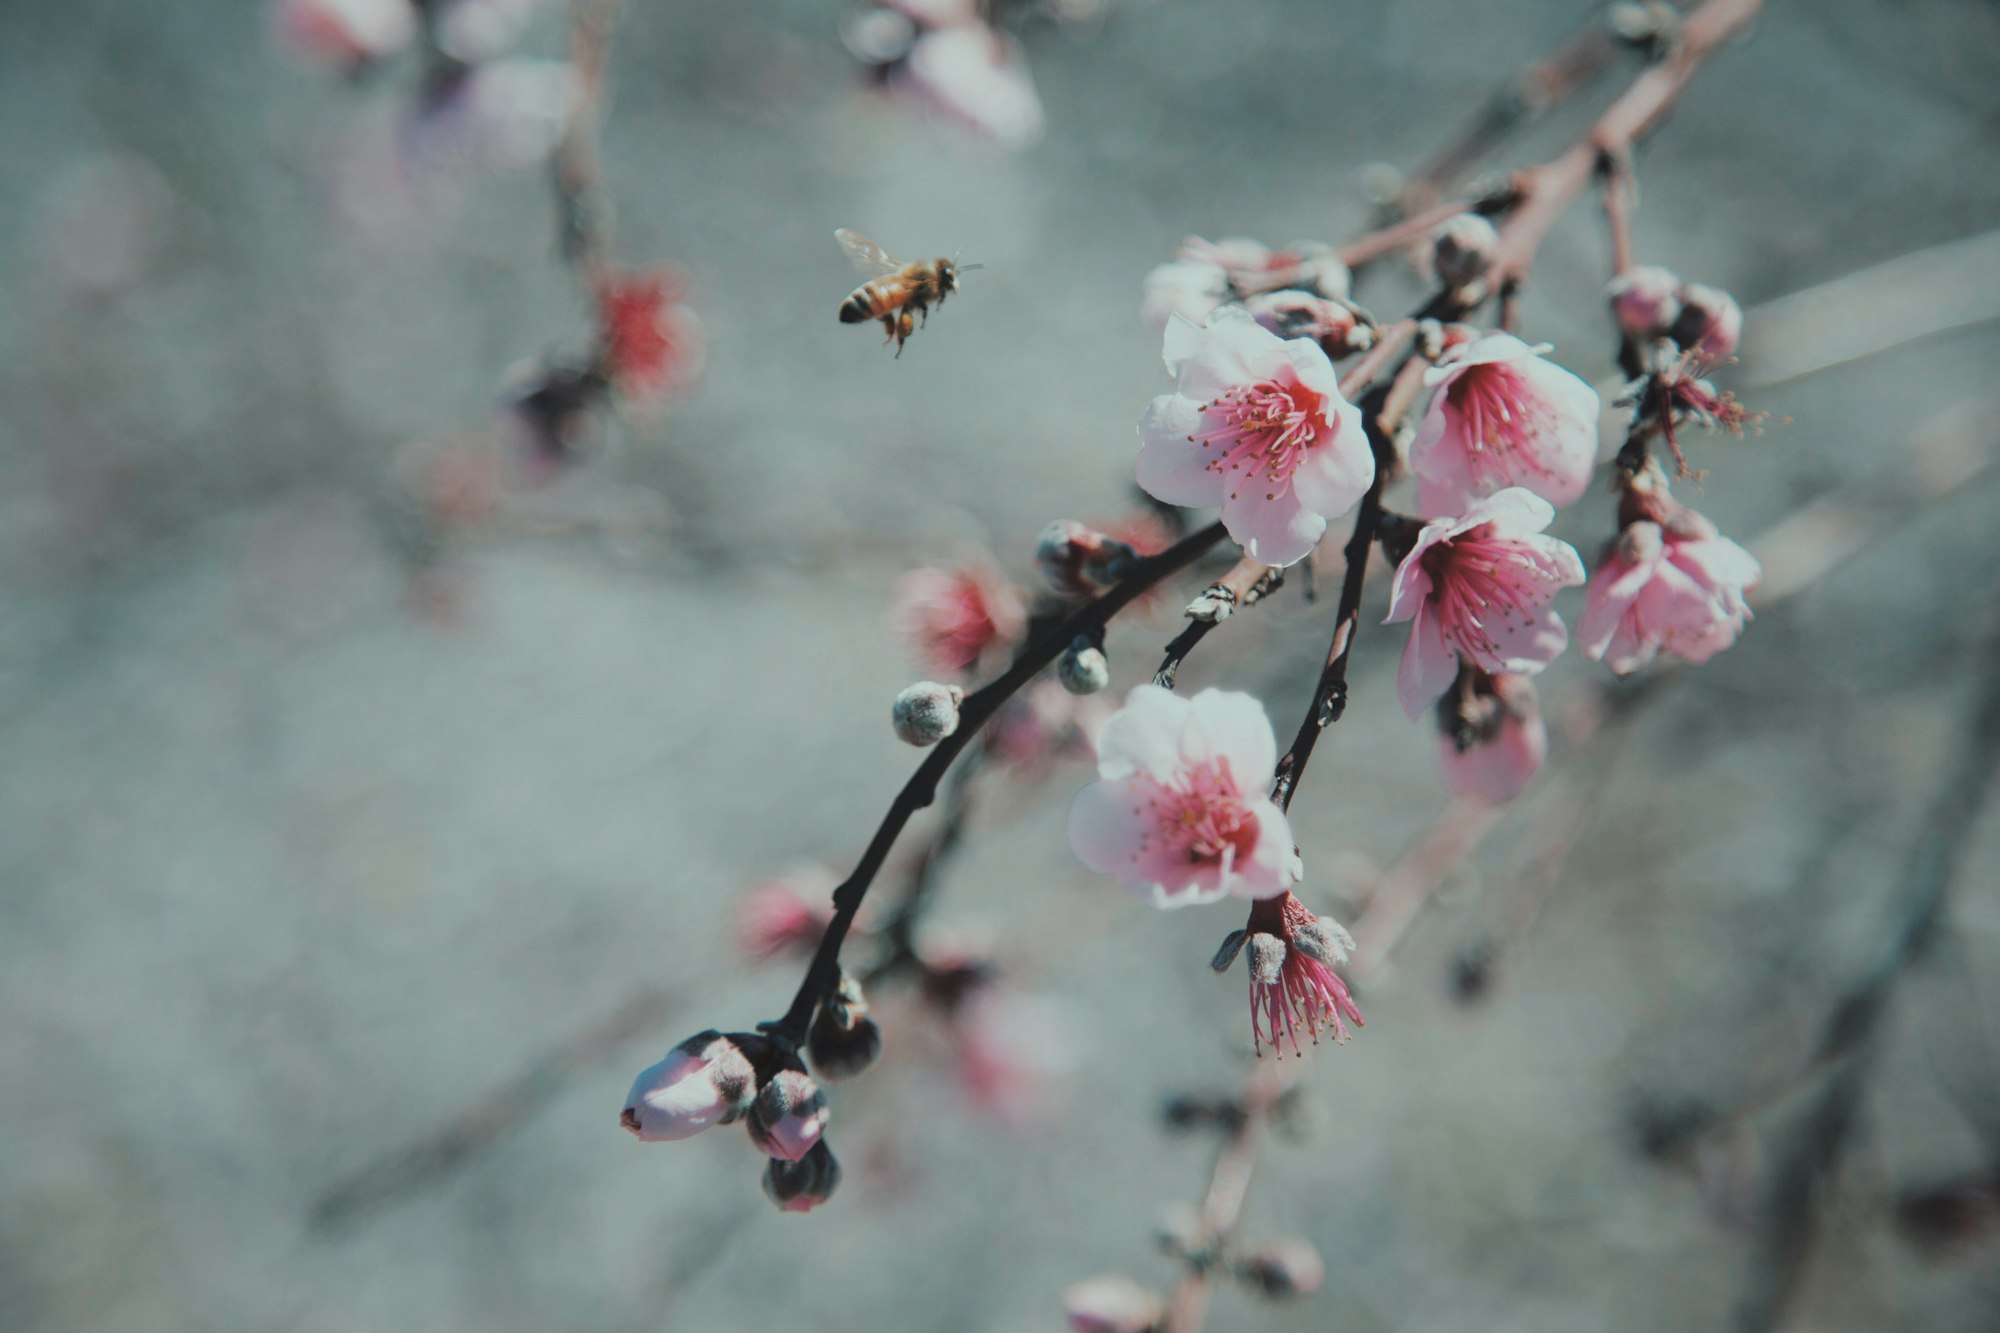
{"x": 1503, "y": 415}
{"x": 1710, "y": 323}
{"x": 1258, "y": 426}
{"x": 1291, "y": 955}
{"x": 975, "y": 77}
{"x": 1492, "y": 738}
{"x": 1179, "y": 813}
{"x": 1479, "y": 587}
{"x": 1677, "y": 589}
{"x": 1111, "y": 1304}
{"x": 1193, "y": 289}
{"x": 650, "y": 340}
{"x": 954, "y": 617}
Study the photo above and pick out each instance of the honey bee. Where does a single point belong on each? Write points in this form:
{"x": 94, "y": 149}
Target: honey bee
{"x": 903, "y": 294}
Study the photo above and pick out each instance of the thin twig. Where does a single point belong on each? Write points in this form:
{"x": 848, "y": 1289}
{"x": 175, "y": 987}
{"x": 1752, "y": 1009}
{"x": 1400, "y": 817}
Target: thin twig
{"x": 1228, "y": 1188}
{"x": 580, "y": 206}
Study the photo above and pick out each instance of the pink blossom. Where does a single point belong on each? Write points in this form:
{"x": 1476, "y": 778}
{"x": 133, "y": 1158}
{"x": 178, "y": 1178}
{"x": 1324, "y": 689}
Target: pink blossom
{"x": 1292, "y": 955}
{"x": 789, "y": 1115}
{"x": 349, "y": 33}
{"x": 1258, "y": 426}
{"x": 1190, "y": 288}
{"x": 1179, "y": 813}
{"x": 1110, "y": 1304}
{"x": 953, "y": 617}
{"x": 1710, "y": 324}
{"x": 649, "y": 338}
{"x": 704, "y": 1081}
{"x": 1492, "y": 739}
{"x": 786, "y": 915}
{"x": 1044, "y": 724}
{"x": 975, "y": 77}
{"x": 1251, "y": 266}
{"x": 1501, "y": 415}
{"x": 1480, "y": 587}
{"x": 1645, "y": 301}
{"x": 1008, "y": 1052}
{"x": 1678, "y": 591}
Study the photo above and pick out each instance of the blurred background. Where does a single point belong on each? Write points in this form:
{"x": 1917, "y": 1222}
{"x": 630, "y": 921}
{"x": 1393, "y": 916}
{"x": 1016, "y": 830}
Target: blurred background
{"x": 355, "y": 859}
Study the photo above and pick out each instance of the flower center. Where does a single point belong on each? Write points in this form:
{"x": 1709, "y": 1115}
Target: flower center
{"x": 1503, "y": 417}
{"x": 1201, "y": 817}
{"x": 1476, "y": 580}
{"x": 1261, "y": 433}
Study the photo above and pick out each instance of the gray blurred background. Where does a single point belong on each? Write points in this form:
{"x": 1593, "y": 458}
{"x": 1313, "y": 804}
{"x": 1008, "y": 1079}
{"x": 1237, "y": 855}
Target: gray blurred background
{"x": 350, "y": 874}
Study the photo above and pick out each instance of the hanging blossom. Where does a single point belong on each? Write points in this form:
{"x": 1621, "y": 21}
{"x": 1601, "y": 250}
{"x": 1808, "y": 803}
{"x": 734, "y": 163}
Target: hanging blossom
{"x": 1480, "y": 587}
{"x": 1677, "y": 589}
{"x": 1293, "y": 985}
{"x": 1491, "y": 740}
{"x": 1502, "y": 415}
{"x": 1179, "y": 813}
{"x": 954, "y": 617}
{"x": 1258, "y": 426}
{"x": 649, "y": 339}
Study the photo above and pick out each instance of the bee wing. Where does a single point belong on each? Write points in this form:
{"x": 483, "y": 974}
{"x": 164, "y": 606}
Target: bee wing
{"x": 867, "y": 256}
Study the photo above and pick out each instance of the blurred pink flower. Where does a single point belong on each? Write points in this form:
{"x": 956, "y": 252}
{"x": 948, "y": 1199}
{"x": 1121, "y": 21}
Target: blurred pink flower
{"x": 1645, "y": 301}
{"x": 704, "y": 1081}
{"x": 1656, "y": 590}
{"x": 1493, "y": 742}
{"x": 1480, "y": 587}
{"x": 1045, "y": 723}
{"x": 974, "y": 77}
{"x": 953, "y": 617}
{"x": 1502, "y": 415}
{"x": 1710, "y": 323}
{"x": 1293, "y": 986}
{"x": 1111, "y": 1304}
{"x": 1008, "y": 1051}
{"x": 787, "y": 914}
{"x": 347, "y": 33}
{"x": 1258, "y": 426}
{"x": 1189, "y": 288}
{"x": 650, "y": 339}
{"x": 1179, "y": 813}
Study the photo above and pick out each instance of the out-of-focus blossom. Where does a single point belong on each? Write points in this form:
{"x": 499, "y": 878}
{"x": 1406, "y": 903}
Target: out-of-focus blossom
{"x": 786, "y": 915}
{"x": 1678, "y": 591}
{"x": 1204, "y": 275}
{"x": 1291, "y": 955}
{"x": 1291, "y": 313}
{"x": 788, "y": 1115}
{"x": 1179, "y": 814}
{"x": 346, "y": 33}
{"x": 1492, "y": 740}
{"x": 495, "y": 116}
{"x": 1078, "y": 560}
{"x": 1281, "y": 1269}
{"x": 479, "y": 30}
{"x": 706, "y": 1080}
{"x": 1645, "y": 301}
{"x": 801, "y": 1186}
{"x": 1111, "y": 1304}
{"x": 1009, "y": 1050}
{"x": 1044, "y": 724}
{"x": 974, "y": 77}
{"x": 954, "y": 617}
{"x": 1710, "y": 323}
{"x": 1258, "y": 426}
{"x": 649, "y": 339}
{"x": 1503, "y": 415}
{"x": 1462, "y": 248}
{"x": 1480, "y": 587}
{"x": 1190, "y": 288}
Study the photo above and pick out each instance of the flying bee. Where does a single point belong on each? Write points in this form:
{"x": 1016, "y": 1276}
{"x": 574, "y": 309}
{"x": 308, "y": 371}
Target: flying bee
{"x": 902, "y": 296}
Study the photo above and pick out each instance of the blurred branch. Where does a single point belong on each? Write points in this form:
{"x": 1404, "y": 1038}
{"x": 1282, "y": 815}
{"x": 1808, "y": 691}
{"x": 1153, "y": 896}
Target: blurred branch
{"x": 1228, "y": 1187}
{"x": 580, "y": 208}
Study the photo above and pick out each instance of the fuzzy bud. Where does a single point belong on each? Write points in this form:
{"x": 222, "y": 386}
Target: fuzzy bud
{"x": 1084, "y": 669}
{"x": 1111, "y": 1304}
{"x": 1323, "y": 940}
{"x": 843, "y": 1039}
{"x": 926, "y": 712}
{"x": 1645, "y": 301}
{"x": 1267, "y": 959}
{"x": 801, "y": 1186}
{"x": 1291, "y": 313}
{"x": 788, "y": 1116}
{"x": 1281, "y": 1269}
{"x": 1710, "y": 323}
{"x": 1076, "y": 559}
{"x": 1462, "y": 248}
{"x": 704, "y": 1081}
{"x": 1225, "y": 957}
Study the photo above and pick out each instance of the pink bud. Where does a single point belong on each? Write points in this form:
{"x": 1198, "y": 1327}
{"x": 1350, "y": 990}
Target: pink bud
{"x": 1462, "y": 249}
{"x": 704, "y": 1081}
{"x": 1710, "y": 324}
{"x": 789, "y": 1115}
{"x": 1282, "y": 1269}
{"x": 801, "y": 1186}
{"x": 1645, "y": 301}
{"x": 1111, "y": 1304}
{"x": 1492, "y": 740}
{"x": 1295, "y": 314}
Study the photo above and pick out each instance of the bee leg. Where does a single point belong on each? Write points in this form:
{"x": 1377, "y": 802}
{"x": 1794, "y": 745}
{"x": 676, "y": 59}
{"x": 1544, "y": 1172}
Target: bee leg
{"x": 889, "y": 329}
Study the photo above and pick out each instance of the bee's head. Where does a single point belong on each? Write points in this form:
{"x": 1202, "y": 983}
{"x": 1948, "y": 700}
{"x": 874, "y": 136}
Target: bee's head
{"x": 949, "y": 269}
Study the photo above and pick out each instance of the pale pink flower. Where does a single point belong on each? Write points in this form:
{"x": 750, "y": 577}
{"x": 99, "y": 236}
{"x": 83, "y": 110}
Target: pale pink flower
{"x": 1008, "y": 1053}
{"x": 1502, "y": 415}
{"x": 1111, "y": 1304}
{"x": 649, "y": 338}
{"x": 975, "y": 77}
{"x": 1645, "y": 301}
{"x": 789, "y": 1115}
{"x": 1658, "y": 590}
{"x": 1258, "y": 426}
{"x": 1492, "y": 742}
{"x": 348, "y": 33}
{"x": 1190, "y": 288}
{"x": 704, "y": 1081}
{"x": 1480, "y": 587}
{"x": 1292, "y": 955}
{"x": 1251, "y": 266}
{"x": 786, "y": 915}
{"x": 1179, "y": 813}
{"x": 1710, "y": 324}
{"x": 953, "y": 617}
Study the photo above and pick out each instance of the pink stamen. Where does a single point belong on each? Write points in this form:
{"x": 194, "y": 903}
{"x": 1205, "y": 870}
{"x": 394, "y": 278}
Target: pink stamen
{"x": 1264, "y": 429}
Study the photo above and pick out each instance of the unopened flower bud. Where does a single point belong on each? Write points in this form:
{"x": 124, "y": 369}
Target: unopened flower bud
{"x": 704, "y": 1081}
{"x": 1111, "y": 1304}
{"x": 926, "y": 712}
{"x": 1282, "y": 1269}
{"x": 1645, "y": 301}
{"x": 801, "y": 1186}
{"x": 1267, "y": 959}
{"x": 1084, "y": 669}
{"x": 843, "y": 1039}
{"x": 788, "y": 1116}
{"x": 1232, "y": 944}
{"x": 1320, "y": 271}
{"x": 1462, "y": 248}
{"x": 1710, "y": 323}
{"x": 1323, "y": 940}
{"x": 1075, "y": 558}
{"x": 1291, "y": 313}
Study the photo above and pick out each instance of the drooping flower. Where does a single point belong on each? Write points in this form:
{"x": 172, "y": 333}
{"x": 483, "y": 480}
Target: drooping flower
{"x": 1492, "y": 740}
{"x": 347, "y": 33}
{"x": 1480, "y": 587}
{"x": 1258, "y": 426}
{"x": 1291, "y": 955}
{"x": 1503, "y": 415}
{"x": 954, "y": 617}
{"x": 649, "y": 339}
{"x": 975, "y": 77}
{"x": 706, "y": 1080}
{"x": 1677, "y": 589}
{"x": 1179, "y": 814}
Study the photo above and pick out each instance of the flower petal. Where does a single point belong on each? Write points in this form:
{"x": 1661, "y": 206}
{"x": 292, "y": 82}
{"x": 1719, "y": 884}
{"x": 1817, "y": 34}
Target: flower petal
{"x": 1226, "y": 724}
{"x": 1144, "y": 736}
{"x": 1429, "y": 665}
{"x": 1275, "y": 529}
{"x": 1337, "y": 470}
